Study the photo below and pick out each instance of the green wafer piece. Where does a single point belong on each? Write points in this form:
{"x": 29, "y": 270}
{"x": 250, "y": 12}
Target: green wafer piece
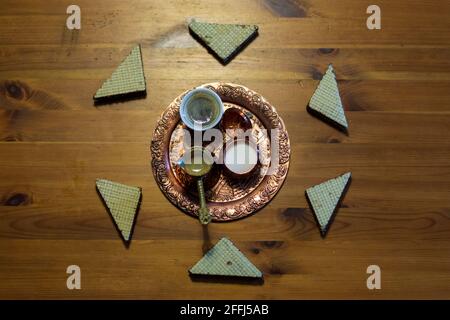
{"x": 225, "y": 40}
{"x": 224, "y": 259}
{"x": 326, "y": 99}
{"x": 122, "y": 202}
{"x": 325, "y": 197}
{"x": 127, "y": 79}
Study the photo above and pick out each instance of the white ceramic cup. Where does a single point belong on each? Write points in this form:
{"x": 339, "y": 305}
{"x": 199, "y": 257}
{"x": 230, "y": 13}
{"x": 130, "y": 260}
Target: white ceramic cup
{"x": 201, "y": 109}
{"x": 241, "y": 157}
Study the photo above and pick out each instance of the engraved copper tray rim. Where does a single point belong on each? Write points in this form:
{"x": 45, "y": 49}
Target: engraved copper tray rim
{"x": 232, "y": 210}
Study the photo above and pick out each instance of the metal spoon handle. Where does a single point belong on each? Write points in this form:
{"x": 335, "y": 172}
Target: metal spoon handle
{"x": 203, "y": 213}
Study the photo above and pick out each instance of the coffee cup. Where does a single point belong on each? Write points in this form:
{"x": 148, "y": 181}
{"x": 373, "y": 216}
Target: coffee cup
{"x": 201, "y": 109}
{"x": 241, "y": 157}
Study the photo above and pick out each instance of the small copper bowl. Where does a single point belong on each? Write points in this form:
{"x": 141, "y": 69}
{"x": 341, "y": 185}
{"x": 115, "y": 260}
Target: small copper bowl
{"x": 234, "y": 119}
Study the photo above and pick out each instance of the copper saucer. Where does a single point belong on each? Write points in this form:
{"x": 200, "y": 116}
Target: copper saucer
{"x": 228, "y": 198}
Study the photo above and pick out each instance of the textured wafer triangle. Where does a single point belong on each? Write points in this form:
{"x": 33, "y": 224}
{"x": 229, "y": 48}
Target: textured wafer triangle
{"x": 122, "y": 202}
{"x": 324, "y": 198}
{"x": 224, "y": 259}
{"x": 326, "y": 99}
{"x": 225, "y": 40}
{"x": 128, "y": 78}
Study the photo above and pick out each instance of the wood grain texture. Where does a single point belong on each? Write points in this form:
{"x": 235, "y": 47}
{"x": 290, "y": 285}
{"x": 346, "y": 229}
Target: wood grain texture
{"x": 54, "y": 143}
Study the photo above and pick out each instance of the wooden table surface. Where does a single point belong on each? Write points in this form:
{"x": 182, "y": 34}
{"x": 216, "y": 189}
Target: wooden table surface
{"x": 54, "y": 143}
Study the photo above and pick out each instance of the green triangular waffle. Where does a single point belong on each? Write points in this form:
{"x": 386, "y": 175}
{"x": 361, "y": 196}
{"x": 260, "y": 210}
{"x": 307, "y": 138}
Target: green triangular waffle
{"x": 325, "y": 197}
{"x": 122, "y": 202}
{"x": 224, "y": 259}
{"x": 327, "y": 101}
{"x": 225, "y": 40}
{"x": 127, "y": 79}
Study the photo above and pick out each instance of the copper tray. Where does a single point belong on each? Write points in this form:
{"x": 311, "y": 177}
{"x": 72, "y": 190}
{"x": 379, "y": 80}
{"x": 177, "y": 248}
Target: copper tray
{"x": 227, "y": 198}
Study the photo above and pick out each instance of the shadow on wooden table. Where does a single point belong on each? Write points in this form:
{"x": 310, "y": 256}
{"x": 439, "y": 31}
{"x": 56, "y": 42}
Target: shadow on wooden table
{"x": 120, "y": 98}
{"x": 330, "y": 122}
{"x": 227, "y": 279}
{"x": 207, "y": 244}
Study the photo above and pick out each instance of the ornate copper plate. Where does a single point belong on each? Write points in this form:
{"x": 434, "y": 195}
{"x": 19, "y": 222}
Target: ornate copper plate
{"x": 228, "y": 198}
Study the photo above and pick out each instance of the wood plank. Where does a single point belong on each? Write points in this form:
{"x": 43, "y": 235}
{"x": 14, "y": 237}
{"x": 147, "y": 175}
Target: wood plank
{"x": 357, "y": 95}
{"x": 114, "y": 126}
{"x": 418, "y": 222}
{"x": 398, "y": 193}
{"x": 86, "y": 62}
{"x": 94, "y": 156}
{"x": 105, "y": 273}
{"x": 321, "y": 23}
